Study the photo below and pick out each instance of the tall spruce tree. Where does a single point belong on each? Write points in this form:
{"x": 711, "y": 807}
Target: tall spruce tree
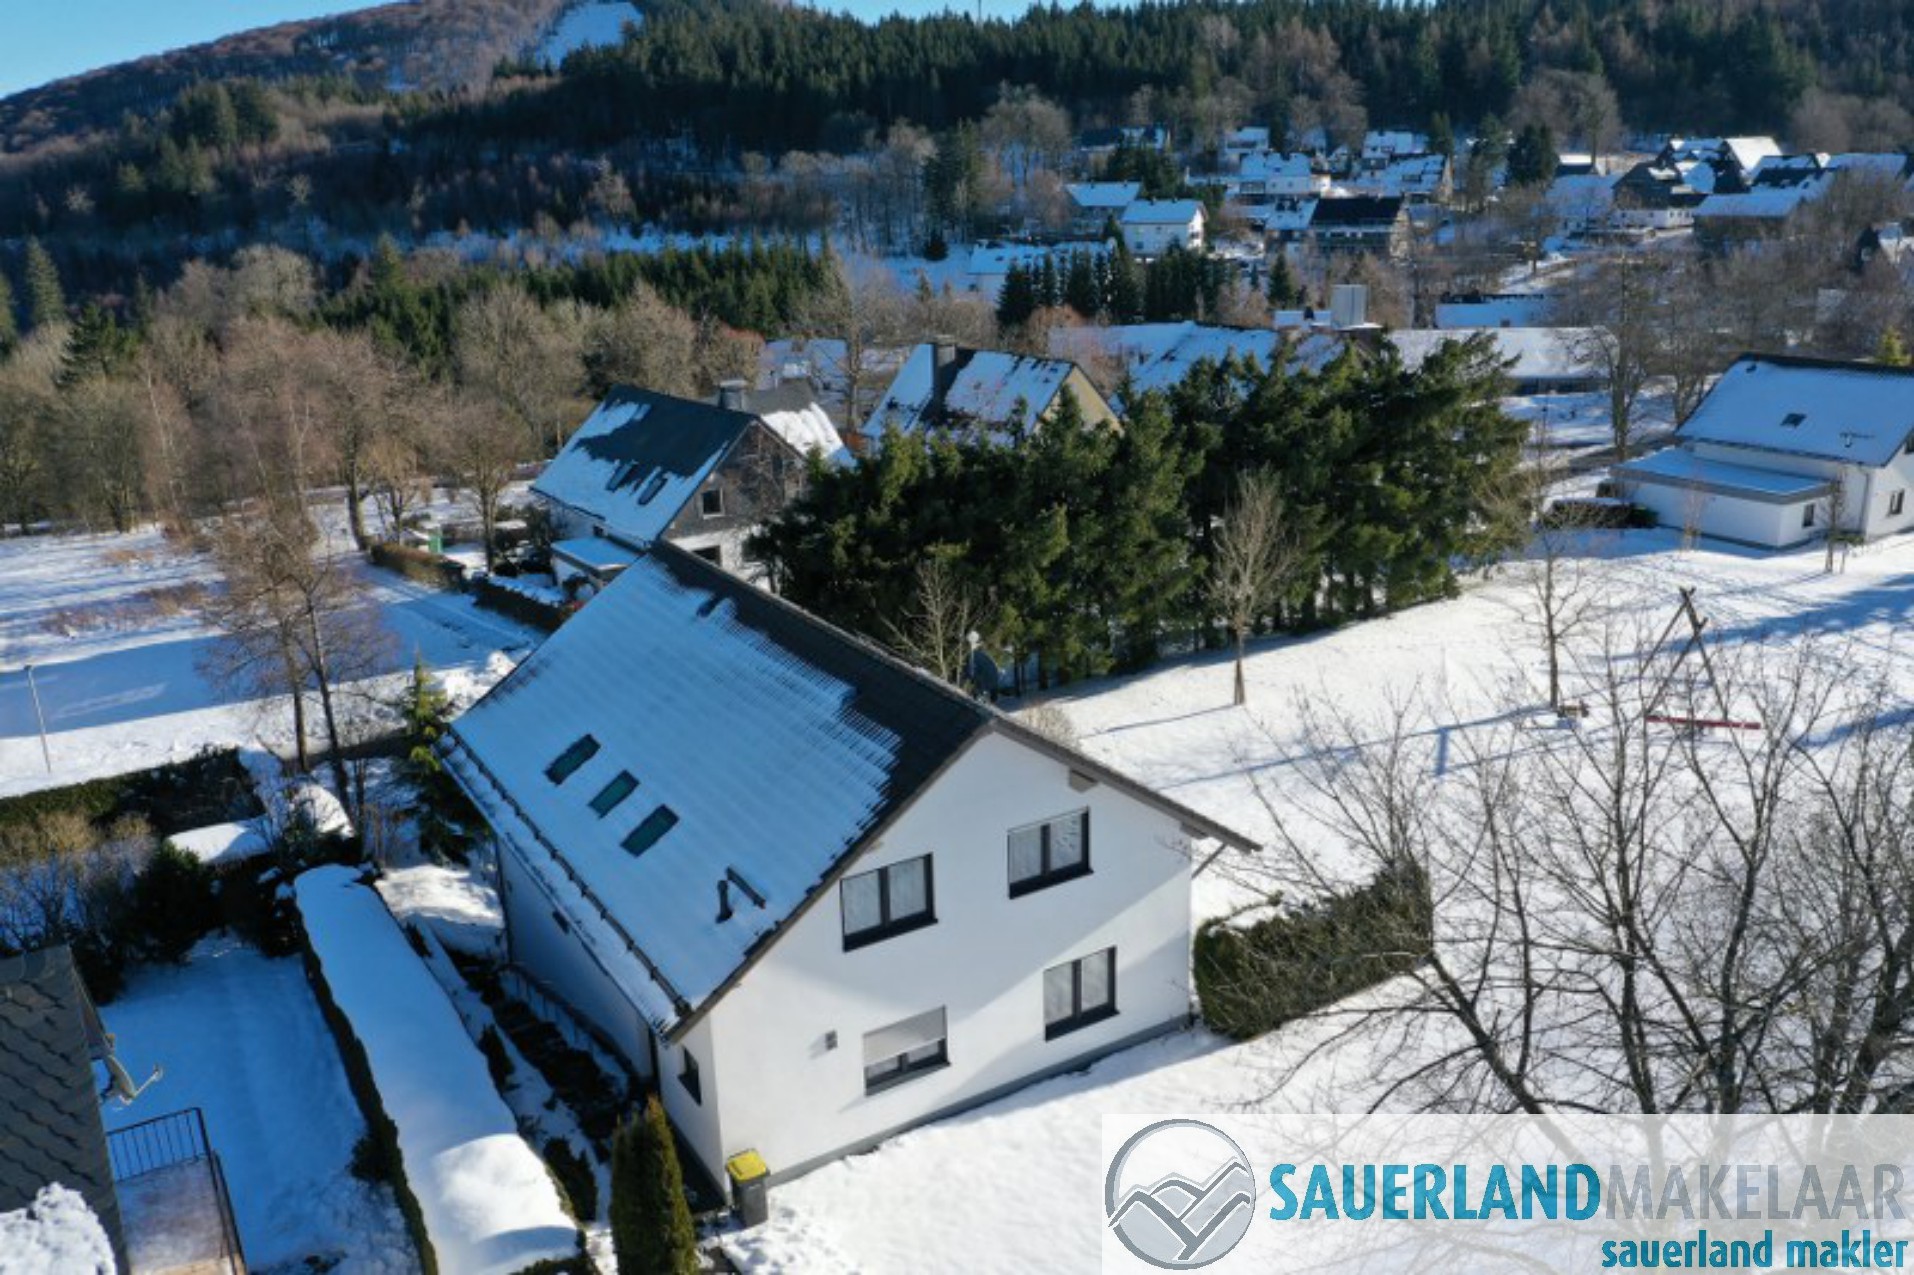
{"x": 46, "y": 298}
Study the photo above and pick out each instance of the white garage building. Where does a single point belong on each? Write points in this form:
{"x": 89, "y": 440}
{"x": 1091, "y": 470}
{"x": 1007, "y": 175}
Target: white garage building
{"x": 1784, "y": 448}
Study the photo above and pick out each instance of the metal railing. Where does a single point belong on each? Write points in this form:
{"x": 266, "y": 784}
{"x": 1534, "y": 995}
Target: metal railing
{"x": 552, "y": 1009}
{"x": 170, "y": 1141}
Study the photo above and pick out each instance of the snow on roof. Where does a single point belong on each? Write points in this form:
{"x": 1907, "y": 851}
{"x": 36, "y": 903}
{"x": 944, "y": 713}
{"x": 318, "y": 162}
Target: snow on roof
{"x": 808, "y": 429}
{"x": 1248, "y": 137}
{"x": 488, "y": 1203}
{"x": 1746, "y": 152}
{"x": 1855, "y": 412}
{"x": 56, "y": 1234}
{"x": 1539, "y": 354}
{"x": 988, "y": 387}
{"x": 1680, "y": 467}
{"x": 729, "y": 738}
{"x": 1762, "y": 202}
{"x": 1266, "y": 164}
{"x": 1406, "y": 174}
{"x": 638, "y": 458}
{"x": 1888, "y": 164}
{"x": 1163, "y": 212}
{"x": 1393, "y": 142}
{"x": 595, "y": 553}
{"x": 223, "y": 843}
{"x": 1104, "y": 196}
{"x": 1158, "y": 356}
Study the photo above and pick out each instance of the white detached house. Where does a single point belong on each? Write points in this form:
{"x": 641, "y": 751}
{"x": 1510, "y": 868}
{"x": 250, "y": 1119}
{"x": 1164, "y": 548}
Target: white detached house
{"x": 1784, "y": 448}
{"x": 815, "y": 895}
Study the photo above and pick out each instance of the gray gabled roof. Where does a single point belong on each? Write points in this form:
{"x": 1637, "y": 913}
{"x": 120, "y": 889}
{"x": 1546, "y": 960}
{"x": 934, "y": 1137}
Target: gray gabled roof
{"x": 777, "y": 746}
{"x": 50, "y": 1128}
{"x": 1853, "y": 413}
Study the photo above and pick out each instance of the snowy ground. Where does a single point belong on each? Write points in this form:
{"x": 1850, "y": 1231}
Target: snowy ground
{"x": 1028, "y": 1165}
{"x": 109, "y": 623}
{"x": 596, "y": 22}
{"x": 241, "y": 1038}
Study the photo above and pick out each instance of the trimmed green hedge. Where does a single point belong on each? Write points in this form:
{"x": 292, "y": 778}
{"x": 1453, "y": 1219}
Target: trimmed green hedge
{"x": 1253, "y": 979}
{"x": 207, "y": 788}
{"x": 417, "y": 564}
{"x": 519, "y": 606}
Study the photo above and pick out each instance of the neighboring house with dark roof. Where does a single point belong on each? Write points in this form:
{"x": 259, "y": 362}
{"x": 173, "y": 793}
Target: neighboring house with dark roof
{"x": 943, "y": 385}
{"x": 1359, "y": 223}
{"x": 814, "y": 895}
{"x": 1782, "y": 449}
{"x": 646, "y": 466}
{"x": 1655, "y": 196}
{"x": 50, "y": 1126}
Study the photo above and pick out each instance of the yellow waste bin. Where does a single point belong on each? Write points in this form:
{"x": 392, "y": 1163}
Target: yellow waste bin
{"x": 750, "y": 1187}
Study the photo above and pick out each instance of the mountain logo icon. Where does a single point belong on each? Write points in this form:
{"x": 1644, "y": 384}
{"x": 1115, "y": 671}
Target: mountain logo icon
{"x": 1179, "y": 1194}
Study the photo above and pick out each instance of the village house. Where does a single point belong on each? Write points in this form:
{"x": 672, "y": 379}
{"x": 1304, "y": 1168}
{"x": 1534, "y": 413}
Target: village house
{"x": 1152, "y": 227}
{"x": 1094, "y": 205}
{"x": 1492, "y": 310}
{"x": 1783, "y": 450}
{"x": 1416, "y": 179}
{"x": 1359, "y": 223}
{"x": 943, "y": 385}
{"x": 814, "y": 895}
{"x": 646, "y": 466}
{"x": 1537, "y": 360}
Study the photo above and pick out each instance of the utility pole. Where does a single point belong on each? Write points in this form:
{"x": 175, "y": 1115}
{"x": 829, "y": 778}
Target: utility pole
{"x": 39, "y": 715}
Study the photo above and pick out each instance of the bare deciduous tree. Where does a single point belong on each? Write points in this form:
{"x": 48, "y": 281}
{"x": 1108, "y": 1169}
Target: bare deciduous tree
{"x": 935, "y": 633}
{"x": 1256, "y": 555}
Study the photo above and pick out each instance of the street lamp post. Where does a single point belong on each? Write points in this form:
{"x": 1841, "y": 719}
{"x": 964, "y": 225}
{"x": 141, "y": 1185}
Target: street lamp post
{"x": 39, "y": 715}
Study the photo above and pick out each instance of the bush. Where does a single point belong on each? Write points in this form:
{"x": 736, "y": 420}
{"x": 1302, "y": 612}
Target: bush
{"x": 577, "y": 1181}
{"x": 519, "y": 606}
{"x": 210, "y": 787}
{"x": 417, "y": 564}
{"x": 1254, "y": 979}
{"x": 497, "y": 1060}
{"x": 370, "y": 1161}
{"x": 174, "y": 905}
{"x": 651, "y": 1225}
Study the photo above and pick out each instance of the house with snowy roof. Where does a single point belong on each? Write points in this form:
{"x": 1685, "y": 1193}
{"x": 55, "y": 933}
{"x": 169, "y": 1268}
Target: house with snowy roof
{"x": 814, "y": 895}
{"x": 1359, "y": 223}
{"x": 647, "y": 466}
{"x": 1535, "y": 360}
{"x": 1785, "y": 449}
{"x": 1151, "y": 227}
{"x": 943, "y": 385}
{"x": 1093, "y": 205}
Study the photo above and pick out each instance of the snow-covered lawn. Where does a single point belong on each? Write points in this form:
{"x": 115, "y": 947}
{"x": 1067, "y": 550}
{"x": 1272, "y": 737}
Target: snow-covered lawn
{"x": 240, "y": 1037}
{"x": 1013, "y": 1186}
{"x": 111, "y": 625}
{"x": 489, "y": 1205}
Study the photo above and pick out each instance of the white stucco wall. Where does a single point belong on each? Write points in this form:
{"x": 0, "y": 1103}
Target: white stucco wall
{"x": 1154, "y": 240}
{"x": 1752, "y": 522}
{"x": 787, "y": 1094}
{"x": 1866, "y": 494}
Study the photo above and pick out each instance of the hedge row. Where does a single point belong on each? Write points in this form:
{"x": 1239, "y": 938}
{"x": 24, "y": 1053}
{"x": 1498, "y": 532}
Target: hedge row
{"x": 207, "y": 788}
{"x": 380, "y": 1126}
{"x": 417, "y": 564}
{"x": 1253, "y": 979}
{"x": 522, "y": 607}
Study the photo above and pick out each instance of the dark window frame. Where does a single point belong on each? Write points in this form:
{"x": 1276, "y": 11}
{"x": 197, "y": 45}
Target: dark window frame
{"x": 688, "y": 1077}
{"x": 892, "y": 1076}
{"x": 1808, "y": 514}
{"x": 1896, "y": 503}
{"x": 613, "y": 794}
{"x": 569, "y": 762}
{"x": 707, "y": 498}
{"x": 888, "y": 926}
{"x": 1046, "y": 875}
{"x": 1079, "y": 1017}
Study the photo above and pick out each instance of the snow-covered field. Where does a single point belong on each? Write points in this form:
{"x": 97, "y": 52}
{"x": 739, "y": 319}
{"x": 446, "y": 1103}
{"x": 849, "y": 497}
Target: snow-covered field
{"x": 240, "y": 1037}
{"x": 110, "y": 625}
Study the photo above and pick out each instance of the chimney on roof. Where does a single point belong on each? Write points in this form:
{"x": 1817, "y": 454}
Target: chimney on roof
{"x": 731, "y": 395}
{"x": 943, "y": 351}
{"x": 943, "y": 370}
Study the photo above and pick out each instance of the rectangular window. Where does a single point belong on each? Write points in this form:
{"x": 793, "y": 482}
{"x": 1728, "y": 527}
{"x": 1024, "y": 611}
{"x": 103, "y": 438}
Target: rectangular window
{"x": 621, "y": 787}
{"x": 896, "y": 1053}
{"x": 1049, "y": 853}
{"x": 688, "y": 1077}
{"x": 646, "y": 834}
{"x": 887, "y": 902}
{"x": 711, "y": 502}
{"x": 1079, "y": 993}
{"x": 571, "y": 759}
{"x": 1807, "y": 516}
{"x": 1896, "y": 503}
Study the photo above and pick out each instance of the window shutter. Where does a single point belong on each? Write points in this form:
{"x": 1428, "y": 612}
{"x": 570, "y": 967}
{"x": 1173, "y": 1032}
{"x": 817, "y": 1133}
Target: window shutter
{"x": 900, "y": 1038}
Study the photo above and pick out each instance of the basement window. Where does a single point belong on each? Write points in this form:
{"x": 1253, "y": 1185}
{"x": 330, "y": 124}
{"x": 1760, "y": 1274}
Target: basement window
{"x": 621, "y": 787}
{"x": 571, "y": 759}
{"x": 646, "y": 834}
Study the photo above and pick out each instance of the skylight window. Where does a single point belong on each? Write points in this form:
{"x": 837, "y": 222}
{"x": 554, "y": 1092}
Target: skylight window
{"x": 646, "y": 834}
{"x": 622, "y": 475}
{"x": 652, "y": 488}
{"x": 571, "y": 759}
{"x": 1792, "y": 420}
{"x": 621, "y": 787}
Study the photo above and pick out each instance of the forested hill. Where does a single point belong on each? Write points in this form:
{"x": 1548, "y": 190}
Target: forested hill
{"x": 427, "y": 44}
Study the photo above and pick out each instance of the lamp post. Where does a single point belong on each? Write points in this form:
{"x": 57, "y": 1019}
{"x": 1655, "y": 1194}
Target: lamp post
{"x": 39, "y": 715}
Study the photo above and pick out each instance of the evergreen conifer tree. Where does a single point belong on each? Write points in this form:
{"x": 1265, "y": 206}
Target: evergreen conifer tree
{"x": 651, "y": 1227}
{"x": 46, "y": 298}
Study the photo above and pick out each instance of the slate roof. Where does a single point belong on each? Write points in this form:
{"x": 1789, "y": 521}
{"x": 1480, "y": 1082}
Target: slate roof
{"x": 779, "y": 745}
{"x": 639, "y": 457}
{"x": 1860, "y": 413}
{"x": 1356, "y": 210}
{"x": 50, "y": 1128}
{"x": 989, "y": 388}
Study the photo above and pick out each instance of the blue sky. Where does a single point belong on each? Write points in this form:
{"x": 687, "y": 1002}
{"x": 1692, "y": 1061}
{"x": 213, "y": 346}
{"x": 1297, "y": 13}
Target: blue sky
{"x": 42, "y": 40}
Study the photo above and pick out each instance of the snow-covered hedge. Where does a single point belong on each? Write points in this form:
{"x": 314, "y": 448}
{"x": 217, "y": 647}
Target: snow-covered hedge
{"x": 476, "y": 1193}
